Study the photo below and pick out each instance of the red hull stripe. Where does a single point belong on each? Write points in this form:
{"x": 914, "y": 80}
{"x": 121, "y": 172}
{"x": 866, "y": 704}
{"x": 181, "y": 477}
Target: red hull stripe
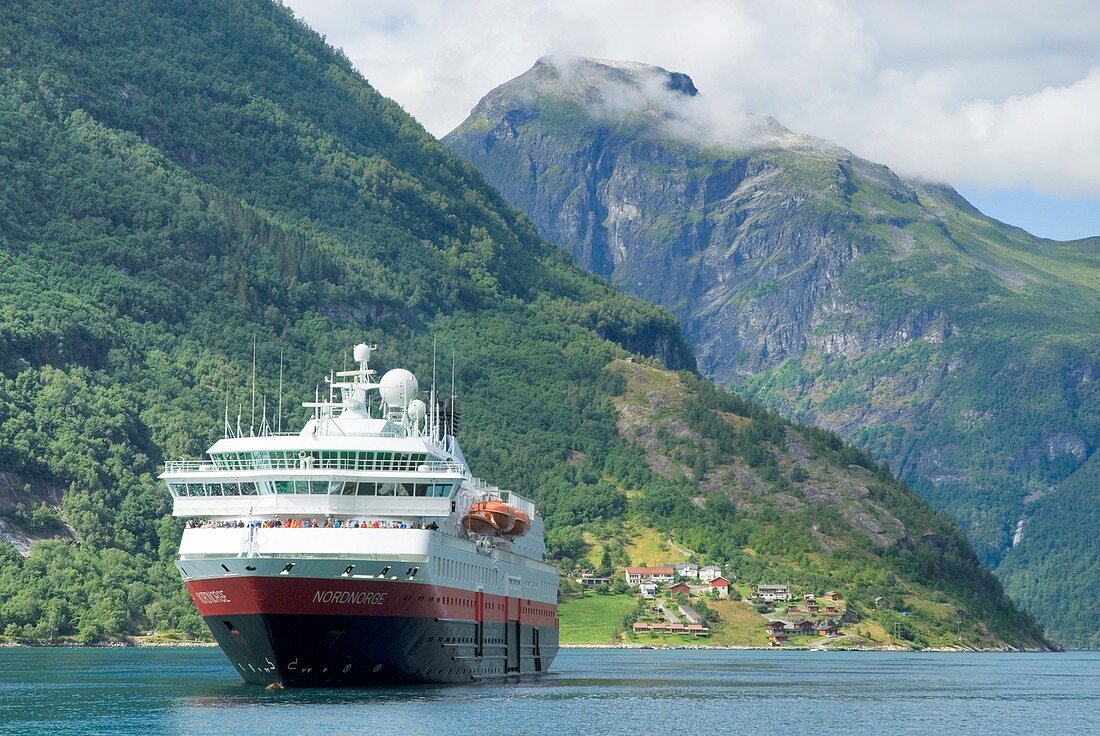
{"x": 227, "y": 596}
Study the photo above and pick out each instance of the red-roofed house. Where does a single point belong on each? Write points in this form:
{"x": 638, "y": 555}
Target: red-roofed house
{"x": 721, "y": 585}
{"x": 679, "y": 589}
{"x": 635, "y": 576}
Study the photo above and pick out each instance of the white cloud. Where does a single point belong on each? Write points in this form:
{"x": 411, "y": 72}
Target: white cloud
{"x": 985, "y": 94}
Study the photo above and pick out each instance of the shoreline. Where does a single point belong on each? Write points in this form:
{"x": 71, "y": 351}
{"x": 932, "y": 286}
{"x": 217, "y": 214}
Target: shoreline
{"x": 125, "y": 644}
{"x": 136, "y": 643}
{"x": 883, "y": 648}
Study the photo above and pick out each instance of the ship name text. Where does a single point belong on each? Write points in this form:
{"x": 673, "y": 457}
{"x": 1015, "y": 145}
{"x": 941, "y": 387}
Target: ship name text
{"x": 212, "y": 596}
{"x": 349, "y": 597}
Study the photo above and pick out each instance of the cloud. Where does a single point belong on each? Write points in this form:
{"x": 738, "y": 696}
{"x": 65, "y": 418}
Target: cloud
{"x": 982, "y": 94}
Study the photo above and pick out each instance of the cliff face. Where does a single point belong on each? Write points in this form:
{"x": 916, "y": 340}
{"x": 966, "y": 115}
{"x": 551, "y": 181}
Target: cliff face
{"x": 961, "y": 350}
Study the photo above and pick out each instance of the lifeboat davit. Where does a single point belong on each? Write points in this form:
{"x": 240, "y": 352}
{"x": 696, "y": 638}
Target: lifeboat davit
{"x": 522, "y": 525}
{"x": 490, "y": 517}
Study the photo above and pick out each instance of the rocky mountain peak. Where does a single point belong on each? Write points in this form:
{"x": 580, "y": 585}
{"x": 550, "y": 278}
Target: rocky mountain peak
{"x": 601, "y": 75}
{"x": 608, "y": 90}
{"x": 649, "y": 98}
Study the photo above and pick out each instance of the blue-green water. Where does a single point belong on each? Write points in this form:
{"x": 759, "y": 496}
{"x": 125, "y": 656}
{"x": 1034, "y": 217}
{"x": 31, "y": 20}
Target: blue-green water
{"x": 590, "y": 692}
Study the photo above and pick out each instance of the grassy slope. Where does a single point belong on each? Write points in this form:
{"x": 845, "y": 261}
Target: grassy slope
{"x": 593, "y": 619}
{"x": 799, "y": 513}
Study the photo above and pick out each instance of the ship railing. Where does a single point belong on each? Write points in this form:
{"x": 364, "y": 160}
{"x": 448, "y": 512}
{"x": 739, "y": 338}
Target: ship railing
{"x": 309, "y": 463}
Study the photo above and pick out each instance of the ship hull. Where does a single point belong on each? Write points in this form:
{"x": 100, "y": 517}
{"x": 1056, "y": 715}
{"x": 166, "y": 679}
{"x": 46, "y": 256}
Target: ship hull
{"x": 279, "y": 631}
{"x": 298, "y": 650}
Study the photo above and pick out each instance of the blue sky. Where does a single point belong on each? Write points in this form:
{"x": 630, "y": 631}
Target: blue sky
{"x": 1058, "y": 218}
{"x": 999, "y": 99}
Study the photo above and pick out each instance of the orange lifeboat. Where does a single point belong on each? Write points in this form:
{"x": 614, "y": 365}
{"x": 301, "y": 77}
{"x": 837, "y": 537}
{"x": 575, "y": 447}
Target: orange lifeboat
{"x": 522, "y": 525}
{"x": 490, "y": 517}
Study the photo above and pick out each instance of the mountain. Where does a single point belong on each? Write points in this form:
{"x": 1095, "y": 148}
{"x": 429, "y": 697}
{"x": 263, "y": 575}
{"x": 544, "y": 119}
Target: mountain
{"x": 187, "y": 180}
{"x": 961, "y": 350}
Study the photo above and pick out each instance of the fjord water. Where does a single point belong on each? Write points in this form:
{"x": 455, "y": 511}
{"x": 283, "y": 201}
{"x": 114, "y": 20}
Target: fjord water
{"x": 604, "y": 692}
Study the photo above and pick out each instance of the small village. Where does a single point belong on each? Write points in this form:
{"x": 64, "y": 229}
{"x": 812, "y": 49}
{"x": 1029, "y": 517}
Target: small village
{"x": 673, "y": 600}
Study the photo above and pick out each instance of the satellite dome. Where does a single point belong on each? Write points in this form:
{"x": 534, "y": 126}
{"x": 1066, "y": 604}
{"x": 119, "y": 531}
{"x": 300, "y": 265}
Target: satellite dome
{"x": 417, "y": 410}
{"x": 361, "y": 352}
{"x": 398, "y": 387}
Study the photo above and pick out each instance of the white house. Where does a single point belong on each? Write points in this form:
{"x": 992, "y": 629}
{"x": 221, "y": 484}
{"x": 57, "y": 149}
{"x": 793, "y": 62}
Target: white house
{"x": 772, "y": 593}
{"x": 687, "y": 570}
{"x": 708, "y": 573}
{"x": 648, "y": 589}
{"x": 721, "y": 586}
{"x": 592, "y": 580}
{"x": 635, "y": 576}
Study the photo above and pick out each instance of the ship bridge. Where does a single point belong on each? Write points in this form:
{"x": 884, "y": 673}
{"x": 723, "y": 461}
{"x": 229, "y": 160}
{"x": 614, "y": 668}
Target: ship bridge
{"x": 373, "y": 455}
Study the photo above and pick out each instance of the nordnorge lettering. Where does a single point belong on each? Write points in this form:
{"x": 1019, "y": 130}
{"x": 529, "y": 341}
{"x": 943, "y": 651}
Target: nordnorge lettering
{"x": 213, "y": 596}
{"x": 347, "y": 597}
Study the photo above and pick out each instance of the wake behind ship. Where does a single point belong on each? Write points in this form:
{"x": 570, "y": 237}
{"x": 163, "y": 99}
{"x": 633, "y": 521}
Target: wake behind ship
{"x": 362, "y": 550}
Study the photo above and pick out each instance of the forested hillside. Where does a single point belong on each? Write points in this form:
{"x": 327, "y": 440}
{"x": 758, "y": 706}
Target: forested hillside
{"x": 184, "y": 179}
{"x": 962, "y": 351}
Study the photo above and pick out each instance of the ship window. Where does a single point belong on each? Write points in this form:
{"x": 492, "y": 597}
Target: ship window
{"x": 386, "y": 489}
{"x": 177, "y": 489}
{"x": 404, "y": 489}
{"x": 284, "y": 486}
{"x": 248, "y": 488}
{"x": 420, "y": 489}
{"x": 347, "y": 488}
{"x": 366, "y": 489}
{"x": 318, "y": 486}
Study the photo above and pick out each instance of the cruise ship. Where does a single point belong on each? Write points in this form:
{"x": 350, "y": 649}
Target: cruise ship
{"x": 362, "y": 550}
